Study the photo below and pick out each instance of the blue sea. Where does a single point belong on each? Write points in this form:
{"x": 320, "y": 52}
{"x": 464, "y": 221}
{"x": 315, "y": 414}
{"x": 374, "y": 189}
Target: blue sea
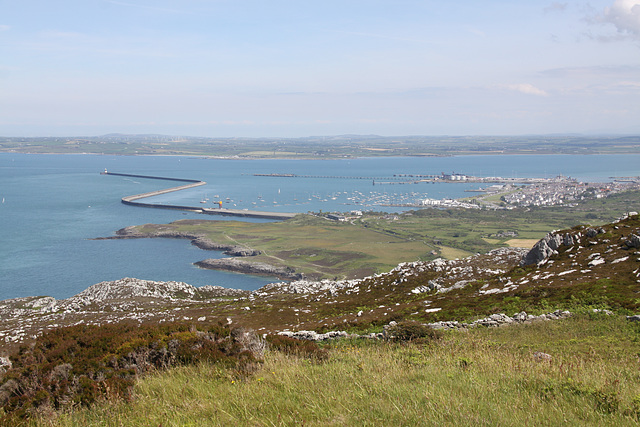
{"x": 53, "y": 205}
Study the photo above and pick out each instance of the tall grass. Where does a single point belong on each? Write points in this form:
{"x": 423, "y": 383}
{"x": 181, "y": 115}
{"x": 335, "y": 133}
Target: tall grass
{"x": 481, "y": 377}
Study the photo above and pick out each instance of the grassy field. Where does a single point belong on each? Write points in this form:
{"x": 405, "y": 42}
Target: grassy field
{"x": 314, "y": 246}
{"x": 375, "y": 243}
{"x": 480, "y": 377}
{"x": 521, "y": 243}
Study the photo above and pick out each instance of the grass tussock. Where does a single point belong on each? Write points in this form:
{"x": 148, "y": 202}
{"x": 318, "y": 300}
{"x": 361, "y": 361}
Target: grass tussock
{"x": 307, "y": 349}
{"x": 479, "y": 377}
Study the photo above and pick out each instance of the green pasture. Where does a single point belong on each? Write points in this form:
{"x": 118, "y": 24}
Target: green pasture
{"x": 321, "y": 248}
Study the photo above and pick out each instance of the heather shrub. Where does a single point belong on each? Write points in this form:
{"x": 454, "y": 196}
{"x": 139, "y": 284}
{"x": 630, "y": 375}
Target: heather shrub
{"x": 79, "y": 365}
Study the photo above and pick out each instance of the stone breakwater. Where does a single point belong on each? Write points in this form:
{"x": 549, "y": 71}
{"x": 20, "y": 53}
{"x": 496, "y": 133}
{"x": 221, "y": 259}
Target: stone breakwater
{"x": 133, "y": 200}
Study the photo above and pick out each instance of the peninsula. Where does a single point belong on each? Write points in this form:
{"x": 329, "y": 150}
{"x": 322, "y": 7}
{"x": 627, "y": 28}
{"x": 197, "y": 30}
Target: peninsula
{"x": 327, "y": 246}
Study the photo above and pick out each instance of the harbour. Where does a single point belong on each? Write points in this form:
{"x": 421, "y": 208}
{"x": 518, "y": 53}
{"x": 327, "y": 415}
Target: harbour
{"x": 54, "y": 204}
{"x": 245, "y": 213}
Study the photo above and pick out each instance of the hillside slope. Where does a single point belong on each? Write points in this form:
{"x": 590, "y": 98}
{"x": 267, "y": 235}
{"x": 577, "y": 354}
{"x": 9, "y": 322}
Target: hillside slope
{"x": 583, "y": 266}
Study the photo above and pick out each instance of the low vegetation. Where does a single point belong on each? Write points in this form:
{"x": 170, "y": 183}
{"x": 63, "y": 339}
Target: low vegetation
{"x": 478, "y": 377}
{"x": 80, "y": 365}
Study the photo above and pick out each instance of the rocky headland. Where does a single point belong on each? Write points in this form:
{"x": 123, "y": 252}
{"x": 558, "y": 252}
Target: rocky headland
{"x": 235, "y": 263}
{"x": 197, "y": 240}
{"x": 582, "y": 266}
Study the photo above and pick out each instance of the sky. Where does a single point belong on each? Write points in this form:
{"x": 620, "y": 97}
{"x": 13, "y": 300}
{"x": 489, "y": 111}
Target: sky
{"x": 295, "y": 68}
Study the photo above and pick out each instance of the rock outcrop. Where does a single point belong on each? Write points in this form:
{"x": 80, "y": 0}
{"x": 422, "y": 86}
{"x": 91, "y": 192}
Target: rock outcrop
{"x": 241, "y": 266}
{"x": 494, "y": 320}
{"x": 128, "y": 288}
{"x": 501, "y": 319}
{"x": 633, "y": 241}
{"x": 548, "y": 246}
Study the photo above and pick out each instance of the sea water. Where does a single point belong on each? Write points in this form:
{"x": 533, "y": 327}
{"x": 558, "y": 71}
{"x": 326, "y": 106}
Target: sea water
{"x": 53, "y": 205}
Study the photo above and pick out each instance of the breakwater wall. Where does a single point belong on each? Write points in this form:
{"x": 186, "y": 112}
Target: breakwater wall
{"x": 133, "y": 200}
{"x": 193, "y": 181}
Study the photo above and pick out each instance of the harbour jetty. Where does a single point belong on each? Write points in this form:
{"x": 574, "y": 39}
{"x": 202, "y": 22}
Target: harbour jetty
{"x": 190, "y": 183}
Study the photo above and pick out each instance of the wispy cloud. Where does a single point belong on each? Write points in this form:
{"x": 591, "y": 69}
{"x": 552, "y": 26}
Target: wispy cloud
{"x": 477, "y": 32}
{"x": 593, "y": 71}
{"x": 556, "y": 7}
{"x": 527, "y": 89}
{"x": 4, "y": 27}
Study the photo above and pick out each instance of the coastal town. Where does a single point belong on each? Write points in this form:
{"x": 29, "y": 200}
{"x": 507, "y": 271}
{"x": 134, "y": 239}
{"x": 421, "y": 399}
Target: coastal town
{"x": 508, "y": 193}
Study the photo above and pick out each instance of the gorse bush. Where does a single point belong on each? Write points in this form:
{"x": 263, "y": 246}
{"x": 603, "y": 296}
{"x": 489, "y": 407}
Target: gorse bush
{"x": 80, "y": 365}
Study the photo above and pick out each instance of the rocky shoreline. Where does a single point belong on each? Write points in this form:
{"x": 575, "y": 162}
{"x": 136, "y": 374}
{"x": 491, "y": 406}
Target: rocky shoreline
{"x": 234, "y": 264}
{"x": 198, "y": 240}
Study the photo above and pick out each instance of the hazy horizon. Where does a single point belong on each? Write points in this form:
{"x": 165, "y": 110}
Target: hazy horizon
{"x": 345, "y": 135}
{"x": 292, "y": 69}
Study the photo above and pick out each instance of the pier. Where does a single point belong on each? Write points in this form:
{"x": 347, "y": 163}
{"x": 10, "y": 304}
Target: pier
{"x": 133, "y": 200}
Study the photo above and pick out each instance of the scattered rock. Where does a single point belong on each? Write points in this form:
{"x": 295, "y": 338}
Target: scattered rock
{"x": 607, "y": 312}
{"x": 314, "y": 336}
{"x": 5, "y": 364}
{"x": 501, "y": 319}
{"x": 597, "y": 261}
{"x": 539, "y": 356}
{"x": 633, "y": 241}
